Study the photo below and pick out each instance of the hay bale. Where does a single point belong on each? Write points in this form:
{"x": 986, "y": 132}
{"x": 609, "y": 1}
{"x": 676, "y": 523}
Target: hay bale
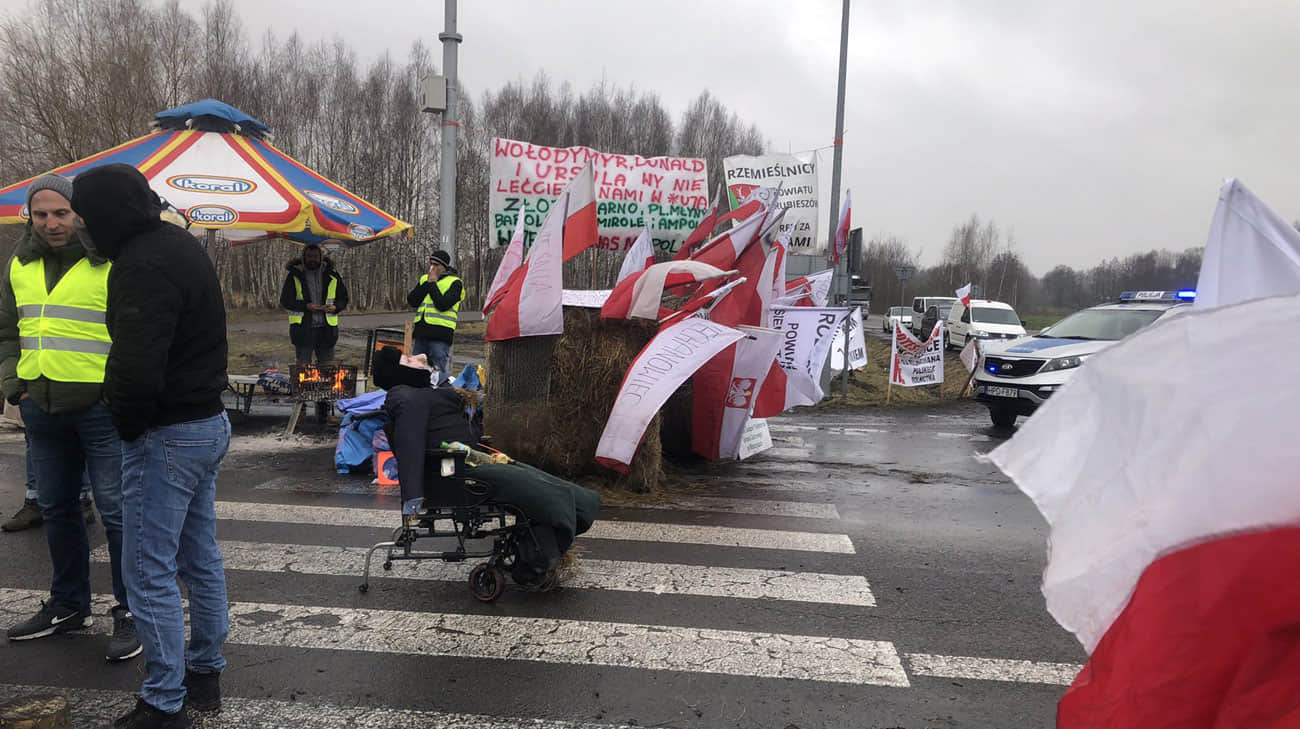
{"x": 40, "y": 711}
{"x": 548, "y": 397}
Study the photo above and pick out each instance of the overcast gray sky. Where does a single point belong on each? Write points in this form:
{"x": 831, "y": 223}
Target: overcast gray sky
{"x": 1085, "y": 129}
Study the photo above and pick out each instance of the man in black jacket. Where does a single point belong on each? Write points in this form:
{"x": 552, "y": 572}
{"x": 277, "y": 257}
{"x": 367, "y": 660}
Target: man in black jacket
{"x": 436, "y": 298}
{"x": 163, "y": 383}
{"x": 314, "y": 295}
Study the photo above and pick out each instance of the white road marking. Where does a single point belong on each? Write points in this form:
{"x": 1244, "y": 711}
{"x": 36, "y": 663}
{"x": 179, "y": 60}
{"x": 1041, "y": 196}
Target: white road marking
{"x": 97, "y": 707}
{"x": 617, "y": 530}
{"x": 589, "y": 574}
{"x": 544, "y": 640}
{"x": 349, "y": 486}
{"x": 992, "y": 669}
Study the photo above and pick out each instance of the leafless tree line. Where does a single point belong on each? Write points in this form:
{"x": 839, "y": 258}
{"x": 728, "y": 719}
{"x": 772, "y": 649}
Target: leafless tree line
{"x": 86, "y": 75}
{"x": 980, "y": 253}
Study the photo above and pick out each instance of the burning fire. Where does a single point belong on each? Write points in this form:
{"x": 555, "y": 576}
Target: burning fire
{"x": 311, "y": 374}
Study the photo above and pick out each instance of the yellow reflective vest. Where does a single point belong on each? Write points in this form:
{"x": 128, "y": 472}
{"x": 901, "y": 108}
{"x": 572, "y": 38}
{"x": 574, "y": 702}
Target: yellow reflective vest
{"x": 62, "y": 332}
{"x": 430, "y": 314}
{"x": 332, "y": 319}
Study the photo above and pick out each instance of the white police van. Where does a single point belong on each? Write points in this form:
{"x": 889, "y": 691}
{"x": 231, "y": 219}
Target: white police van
{"x": 1013, "y": 378}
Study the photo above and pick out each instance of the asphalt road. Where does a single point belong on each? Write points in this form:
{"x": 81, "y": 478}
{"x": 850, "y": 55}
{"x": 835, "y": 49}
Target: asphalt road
{"x": 866, "y": 571}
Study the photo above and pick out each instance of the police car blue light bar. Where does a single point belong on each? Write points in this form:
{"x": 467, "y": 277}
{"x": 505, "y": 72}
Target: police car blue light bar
{"x": 1183, "y": 295}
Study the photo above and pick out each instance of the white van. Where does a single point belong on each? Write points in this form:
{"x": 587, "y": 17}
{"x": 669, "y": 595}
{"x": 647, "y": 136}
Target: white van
{"x": 922, "y": 304}
{"x": 983, "y": 320}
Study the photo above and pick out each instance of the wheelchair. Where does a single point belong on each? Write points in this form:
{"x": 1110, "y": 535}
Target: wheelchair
{"x": 458, "y": 506}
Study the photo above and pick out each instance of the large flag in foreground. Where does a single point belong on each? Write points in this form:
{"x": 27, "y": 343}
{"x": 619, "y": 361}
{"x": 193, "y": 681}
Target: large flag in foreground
{"x": 531, "y": 300}
{"x": 1251, "y": 251}
{"x": 510, "y": 262}
{"x": 1174, "y": 508}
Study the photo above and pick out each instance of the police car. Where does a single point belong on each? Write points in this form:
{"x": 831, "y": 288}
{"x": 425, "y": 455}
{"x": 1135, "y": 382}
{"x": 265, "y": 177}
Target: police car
{"x": 1015, "y": 377}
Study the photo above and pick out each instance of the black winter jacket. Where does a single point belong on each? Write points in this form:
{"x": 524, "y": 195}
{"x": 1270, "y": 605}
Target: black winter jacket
{"x": 165, "y": 310}
{"x": 297, "y": 270}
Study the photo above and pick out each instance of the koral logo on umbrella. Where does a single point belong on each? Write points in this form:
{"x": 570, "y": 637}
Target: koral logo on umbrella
{"x": 212, "y": 215}
{"x": 333, "y": 203}
{"x": 212, "y": 183}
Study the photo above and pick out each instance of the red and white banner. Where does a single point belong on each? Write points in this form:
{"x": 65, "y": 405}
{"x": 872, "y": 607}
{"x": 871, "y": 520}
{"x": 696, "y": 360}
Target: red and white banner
{"x": 750, "y": 363}
{"x": 912, "y": 362}
{"x": 510, "y": 262}
{"x": 639, "y": 257}
{"x": 857, "y": 349}
{"x": 1169, "y": 483}
{"x": 532, "y": 302}
{"x": 669, "y": 194}
{"x": 806, "y": 336}
{"x": 725, "y": 248}
{"x": 811, "y": 290}
{"x": 970, "y": 354}
{"x": 640, "y": 295}
{"x": 796, "y": 176}
{"x": 673, "y": 355}
{"x": 963, "y": 293}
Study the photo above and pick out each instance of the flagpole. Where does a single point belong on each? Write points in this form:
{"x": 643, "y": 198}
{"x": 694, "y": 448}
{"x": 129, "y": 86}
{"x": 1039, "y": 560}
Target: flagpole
{"x": 843, "y": 265}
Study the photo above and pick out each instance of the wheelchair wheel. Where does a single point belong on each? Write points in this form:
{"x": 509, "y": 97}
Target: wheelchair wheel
{"x": 487, "y": 582}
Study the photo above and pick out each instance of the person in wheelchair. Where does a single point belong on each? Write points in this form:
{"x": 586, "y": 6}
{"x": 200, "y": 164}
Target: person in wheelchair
{"x": 422, "y": 419}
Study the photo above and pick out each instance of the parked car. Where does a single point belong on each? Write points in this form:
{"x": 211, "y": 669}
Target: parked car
{"x": 1014, "y": 378}
{"x": 900, "y": 313}
{"x": 933, "y": 315}
{"x": 922, "y": 304}
{"x": 983, "y": 320}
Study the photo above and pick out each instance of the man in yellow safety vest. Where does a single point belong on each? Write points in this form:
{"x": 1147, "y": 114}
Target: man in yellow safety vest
{"x": 54, "y": 346}
{"x": 436, "y": 298}
{"x": 314, "y": 295}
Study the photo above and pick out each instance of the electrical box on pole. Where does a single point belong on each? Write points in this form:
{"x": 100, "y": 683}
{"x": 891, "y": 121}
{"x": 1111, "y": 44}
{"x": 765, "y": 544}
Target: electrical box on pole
{"x": 855, "y": 250}
{"x": 432, "y": 94}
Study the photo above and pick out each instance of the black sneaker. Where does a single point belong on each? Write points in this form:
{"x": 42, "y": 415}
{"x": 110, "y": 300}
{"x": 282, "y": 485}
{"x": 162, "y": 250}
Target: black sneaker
{"x": 50, "y": 620}
{"x": 145, "y": 716}
{"x": 124, "y": 643}
{"x": 203, "y": 691}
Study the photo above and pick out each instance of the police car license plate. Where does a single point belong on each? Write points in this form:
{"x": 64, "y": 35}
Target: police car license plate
{"x": 998, "y": 391}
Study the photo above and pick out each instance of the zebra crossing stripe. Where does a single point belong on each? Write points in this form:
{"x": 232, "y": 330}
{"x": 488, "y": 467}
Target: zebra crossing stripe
{"x": 546, "y": 640}
{"x": 616, "y": 530}
{"x": 992, "y": 669}
{"x": 760, "y": 507}
{"x": 98, "y": 707}
{"x": 590, "y": 574}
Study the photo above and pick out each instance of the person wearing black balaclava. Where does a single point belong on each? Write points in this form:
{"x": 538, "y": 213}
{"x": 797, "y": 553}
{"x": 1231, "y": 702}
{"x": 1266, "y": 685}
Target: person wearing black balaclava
{"x": 163, "y": 383}
{"x": 314, "y": 295}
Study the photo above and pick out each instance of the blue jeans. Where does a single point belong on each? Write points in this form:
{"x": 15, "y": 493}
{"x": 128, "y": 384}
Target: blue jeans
{"x": 30, "y": 483}
{"x": 168, "y": 501}
{"x": 439, "y": 354}
{"x": 61, "y": 448}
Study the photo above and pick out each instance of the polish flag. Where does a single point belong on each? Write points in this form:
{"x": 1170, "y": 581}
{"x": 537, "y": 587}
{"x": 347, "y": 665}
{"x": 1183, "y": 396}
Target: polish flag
{"x": 725, "y": 249}
{"x": 1175, "y": 518}
{"x": 639, "y": 257}
{"x": 811, "y": 290}
{"x": 580, "y": 220}
{"x": 510, "y": 262}
{"x": 532, "y": 304}
{"x": 963, "y": 293}
{"x": 702, "y": 232}
{"x": 842, "y": 231}
{"x": 639, "y": 296}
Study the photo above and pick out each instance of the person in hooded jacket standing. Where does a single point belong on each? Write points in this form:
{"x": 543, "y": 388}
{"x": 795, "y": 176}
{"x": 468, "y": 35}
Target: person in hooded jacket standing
{"x": 165, "y": 375}
{"x": 314, "y": 295}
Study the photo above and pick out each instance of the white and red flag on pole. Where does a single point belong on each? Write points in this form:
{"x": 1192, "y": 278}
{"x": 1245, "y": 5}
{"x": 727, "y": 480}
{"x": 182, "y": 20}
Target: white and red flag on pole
{"x": 531, "y": 301}
{"x": 811, "y": 290}
{"x": 703, "y": 231}
{"x": 963, "y": 293}
{"x": 673, "y": 355}
{"x": 510, "y": 262}
{"x": 725, "y": 248}
{"x": 1173, "y": 504}
{"x": 580, "y": 230}
{"x": 640, "y": 295}
{"x": 842, "y": 230}
{"x": 639, "y": 257}
{"x": 806, "y": 336}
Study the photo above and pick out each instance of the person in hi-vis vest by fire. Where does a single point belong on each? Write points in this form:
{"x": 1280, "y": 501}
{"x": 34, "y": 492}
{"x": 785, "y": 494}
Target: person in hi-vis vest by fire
{"x": 436, "y": 298}
{"x": 314, "y": 296}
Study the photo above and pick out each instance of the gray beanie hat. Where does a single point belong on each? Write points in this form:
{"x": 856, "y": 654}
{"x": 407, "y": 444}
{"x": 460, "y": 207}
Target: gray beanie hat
{"x": 50, "y": 181}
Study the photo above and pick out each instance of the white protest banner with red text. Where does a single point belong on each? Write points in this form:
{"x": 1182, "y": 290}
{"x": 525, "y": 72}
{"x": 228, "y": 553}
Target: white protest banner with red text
{"x": 912, "y": 362}
{"x": 672, "y": 356}
{"x": 796, "y": 174}
{"x": 806, "y": 336}
{"x": 857, "y": 344}
{"x": 669, "y": 194}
